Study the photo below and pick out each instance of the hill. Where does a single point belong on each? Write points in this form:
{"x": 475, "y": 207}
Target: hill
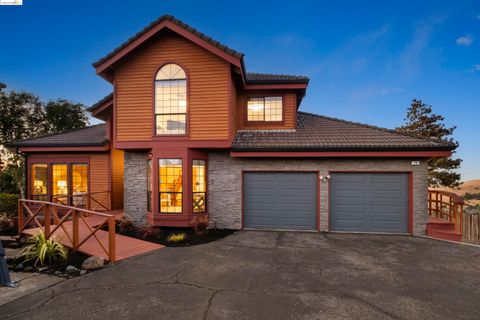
{"x": 469, "y": 186}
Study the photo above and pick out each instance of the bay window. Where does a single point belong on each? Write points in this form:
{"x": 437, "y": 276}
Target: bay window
{"x": 199, "y": 185}
{"x": 170, "y": 100}
{"x": 170, "y": 174}
{"x": 265, "y": 109}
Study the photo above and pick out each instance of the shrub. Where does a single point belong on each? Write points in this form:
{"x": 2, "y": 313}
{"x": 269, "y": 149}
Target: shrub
{"x": 149, "y": 232}
{"x": 177, "y": 237}
{"x": 9, "y": 204}
{"x": 6, "y": 222}
{"x": 43, "y": 251}
{"x": 126, "y": 225}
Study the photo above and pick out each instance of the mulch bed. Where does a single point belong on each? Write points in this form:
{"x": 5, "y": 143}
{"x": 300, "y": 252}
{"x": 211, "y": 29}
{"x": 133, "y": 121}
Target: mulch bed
{"x": 191, "y": 237}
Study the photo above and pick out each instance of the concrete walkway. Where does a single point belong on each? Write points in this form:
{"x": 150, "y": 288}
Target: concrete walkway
{"x": 274, "y": 275}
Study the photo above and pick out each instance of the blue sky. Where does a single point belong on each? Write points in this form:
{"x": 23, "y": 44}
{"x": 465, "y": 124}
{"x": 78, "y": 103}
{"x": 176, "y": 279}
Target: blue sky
{"x": 366, "y": 59}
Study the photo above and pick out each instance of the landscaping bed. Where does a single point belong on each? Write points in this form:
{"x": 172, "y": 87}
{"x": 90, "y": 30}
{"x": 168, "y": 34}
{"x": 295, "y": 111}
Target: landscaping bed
{"x": 184, "y": 237}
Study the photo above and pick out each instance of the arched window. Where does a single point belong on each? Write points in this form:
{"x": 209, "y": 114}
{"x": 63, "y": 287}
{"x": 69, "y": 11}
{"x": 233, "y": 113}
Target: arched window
{"x": 170, "y": 100}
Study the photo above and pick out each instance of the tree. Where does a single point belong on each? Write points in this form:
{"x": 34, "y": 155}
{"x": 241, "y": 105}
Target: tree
{"x": 23, "y": 116}
{"x": 63, "y": 115}
{"x": 421, "y": 121}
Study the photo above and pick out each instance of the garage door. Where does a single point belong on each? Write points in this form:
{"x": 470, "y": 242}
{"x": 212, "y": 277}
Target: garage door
{"x": 369, "y": 202}
{"x": 280, "y": 200}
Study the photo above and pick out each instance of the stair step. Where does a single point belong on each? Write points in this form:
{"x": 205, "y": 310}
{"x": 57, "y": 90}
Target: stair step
{"x": 445, "y": 235}
{"x": 440, "y": 224}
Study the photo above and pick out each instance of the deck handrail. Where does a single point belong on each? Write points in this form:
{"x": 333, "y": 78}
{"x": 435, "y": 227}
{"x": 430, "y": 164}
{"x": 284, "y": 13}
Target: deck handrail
{"x": 38, "y": 211}
{"x": 447, "y": 206}
{"x": 93, "y": 200}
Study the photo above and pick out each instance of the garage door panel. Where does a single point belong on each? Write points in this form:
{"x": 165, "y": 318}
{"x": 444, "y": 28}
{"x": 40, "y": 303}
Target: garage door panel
{"x": 369, "y": 202}
{"x": 291, "y": 202}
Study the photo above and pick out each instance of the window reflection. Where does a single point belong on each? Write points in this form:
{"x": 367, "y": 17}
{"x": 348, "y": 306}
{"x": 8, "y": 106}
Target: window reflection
{"x": 170, "y": 185}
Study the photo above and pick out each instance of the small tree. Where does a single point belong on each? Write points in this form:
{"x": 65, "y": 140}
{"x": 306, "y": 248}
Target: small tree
{"x": 422, "y": 122}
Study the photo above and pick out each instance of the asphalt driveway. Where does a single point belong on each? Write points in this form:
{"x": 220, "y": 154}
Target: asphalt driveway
{"x": 274, "y": 275}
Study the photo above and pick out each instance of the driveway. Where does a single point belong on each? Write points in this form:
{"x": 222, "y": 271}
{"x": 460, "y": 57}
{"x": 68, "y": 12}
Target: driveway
{"x": 274, "y": 275}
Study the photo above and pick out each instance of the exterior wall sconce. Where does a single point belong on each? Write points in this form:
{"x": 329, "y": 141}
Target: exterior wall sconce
{"x": 324, "y": 178}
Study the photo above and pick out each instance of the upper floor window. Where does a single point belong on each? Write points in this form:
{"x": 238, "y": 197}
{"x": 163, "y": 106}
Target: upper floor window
{"x": 266, "y": 109}
{"x": 170, "y": 100}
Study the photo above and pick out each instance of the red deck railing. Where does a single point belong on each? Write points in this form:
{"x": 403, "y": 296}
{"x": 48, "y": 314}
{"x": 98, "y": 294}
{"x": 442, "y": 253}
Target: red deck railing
{"x": 94, "y": 201}
{"x": 447, "y": 206}
{"x": 76, "y": 224}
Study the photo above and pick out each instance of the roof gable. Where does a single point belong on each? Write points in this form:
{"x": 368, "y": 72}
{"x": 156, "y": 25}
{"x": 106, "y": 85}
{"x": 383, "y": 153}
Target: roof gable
{"x": 104, "y": 64}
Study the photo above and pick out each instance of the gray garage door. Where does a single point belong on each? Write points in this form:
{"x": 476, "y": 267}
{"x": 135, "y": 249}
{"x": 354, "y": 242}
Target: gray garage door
{"x": 369, "y": 202}
{"x": 280, "y": 200}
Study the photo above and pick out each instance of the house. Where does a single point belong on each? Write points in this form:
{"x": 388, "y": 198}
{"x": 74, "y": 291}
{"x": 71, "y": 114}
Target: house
{"x": 190, "y": 135}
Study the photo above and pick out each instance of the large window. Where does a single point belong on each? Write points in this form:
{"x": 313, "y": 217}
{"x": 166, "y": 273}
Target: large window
{"x": 79, "y": 184}
{"x": 65, "y": 183}
{"x": 268, "y": 109}
{"x": 199, "y": 185}
{"x": 170, "y": 185}
{"x": 149, "y": 185}
{"x": 39, "y": 182}
{"x": 170, "y": 100}
{"x": 60, "y": 185}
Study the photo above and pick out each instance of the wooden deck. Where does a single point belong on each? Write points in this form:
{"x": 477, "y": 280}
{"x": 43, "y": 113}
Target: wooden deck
{"x": 125, "y": 247}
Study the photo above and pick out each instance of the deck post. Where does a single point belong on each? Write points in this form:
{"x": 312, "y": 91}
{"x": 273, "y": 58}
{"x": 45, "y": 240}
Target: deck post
{"x": 75, "y": 229}
{"x": 20, "y": 217}
{"x": 46, "y": 221}
{"x": 111, "y": 239}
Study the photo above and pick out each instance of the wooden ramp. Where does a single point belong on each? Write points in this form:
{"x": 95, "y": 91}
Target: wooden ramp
{"x": 81, "y": 230}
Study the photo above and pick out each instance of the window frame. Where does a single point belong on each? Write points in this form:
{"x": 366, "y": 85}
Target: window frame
{"x": 159, "y": 196}
{"x": 206, "y": 187}
{"x": 265, "y": 122}
{"x": 150, "y": 185}
{"x": 35, "y": 196}
{"x": 187, "y": 100}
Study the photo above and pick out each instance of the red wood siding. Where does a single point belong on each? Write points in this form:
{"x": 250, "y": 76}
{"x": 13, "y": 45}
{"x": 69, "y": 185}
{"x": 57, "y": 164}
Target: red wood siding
{"x": 208, "y": 89}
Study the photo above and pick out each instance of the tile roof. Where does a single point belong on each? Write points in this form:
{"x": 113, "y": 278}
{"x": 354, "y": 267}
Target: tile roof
{"x": 181, "y": 24}
{"x": 320, "y": 133}
{"x": 253, "y": 77}
{"x": 101, "y": 102}
{"x": 92, "y": 136}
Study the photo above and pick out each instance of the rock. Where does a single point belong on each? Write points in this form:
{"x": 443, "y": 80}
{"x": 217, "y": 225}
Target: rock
{"x": 93, "y": 263}
{"x": 58, "y": 273}
{"x": 82, "y": 272}
{"x": 42, "y": 269}
{"x": 29, "y": 269}
{"x": 71, "y": 270}
{"x": 19, "y": 267}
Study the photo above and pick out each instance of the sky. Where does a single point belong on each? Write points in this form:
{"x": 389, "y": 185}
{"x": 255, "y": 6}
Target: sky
{"x": 366, "y": 59}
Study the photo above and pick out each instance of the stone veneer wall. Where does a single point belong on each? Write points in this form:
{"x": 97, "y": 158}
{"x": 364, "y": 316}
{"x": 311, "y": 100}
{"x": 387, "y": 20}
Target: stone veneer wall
{"x": 225, "y": 186}
{"x": 135, "y": 186}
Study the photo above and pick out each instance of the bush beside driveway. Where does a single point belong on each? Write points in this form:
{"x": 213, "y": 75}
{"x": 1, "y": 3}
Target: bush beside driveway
{"x": 274, "y": 275}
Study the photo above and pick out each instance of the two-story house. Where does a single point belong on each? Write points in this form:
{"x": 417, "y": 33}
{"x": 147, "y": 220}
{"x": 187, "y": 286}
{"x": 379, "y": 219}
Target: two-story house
{"x": 189, "y": 134}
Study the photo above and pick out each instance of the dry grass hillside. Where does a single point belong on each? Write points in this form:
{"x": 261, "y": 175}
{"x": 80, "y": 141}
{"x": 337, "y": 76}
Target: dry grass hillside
{"x": 470, "y": 187}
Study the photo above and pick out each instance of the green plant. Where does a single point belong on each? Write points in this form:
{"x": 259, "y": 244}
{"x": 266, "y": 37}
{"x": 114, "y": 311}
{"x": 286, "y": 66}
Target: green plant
{"x": 9, "y": 204}
{"x": 177, "y": 237}
{"x": 44, "y": 251}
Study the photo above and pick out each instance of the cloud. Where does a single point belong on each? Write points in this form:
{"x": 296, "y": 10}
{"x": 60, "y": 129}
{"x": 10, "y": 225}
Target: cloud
{"x": 478, "y": 16}
{"x": 410, "y": 58}
{"x": 473, "y": 69}
{"x": 464, "y": 41}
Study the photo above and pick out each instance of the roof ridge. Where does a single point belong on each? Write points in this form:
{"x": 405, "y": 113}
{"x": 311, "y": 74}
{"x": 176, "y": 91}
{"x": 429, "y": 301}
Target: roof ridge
{"x": 56, "y": 133}
{"x": 411, "y": 135}
{"x": 277, "y": 74}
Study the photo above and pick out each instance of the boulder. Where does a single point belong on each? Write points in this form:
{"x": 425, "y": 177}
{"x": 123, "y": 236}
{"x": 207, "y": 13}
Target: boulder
{"x": 93, "y": 263}
{"x": 82, "y": 272}
{"x": 72, "y": 270}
